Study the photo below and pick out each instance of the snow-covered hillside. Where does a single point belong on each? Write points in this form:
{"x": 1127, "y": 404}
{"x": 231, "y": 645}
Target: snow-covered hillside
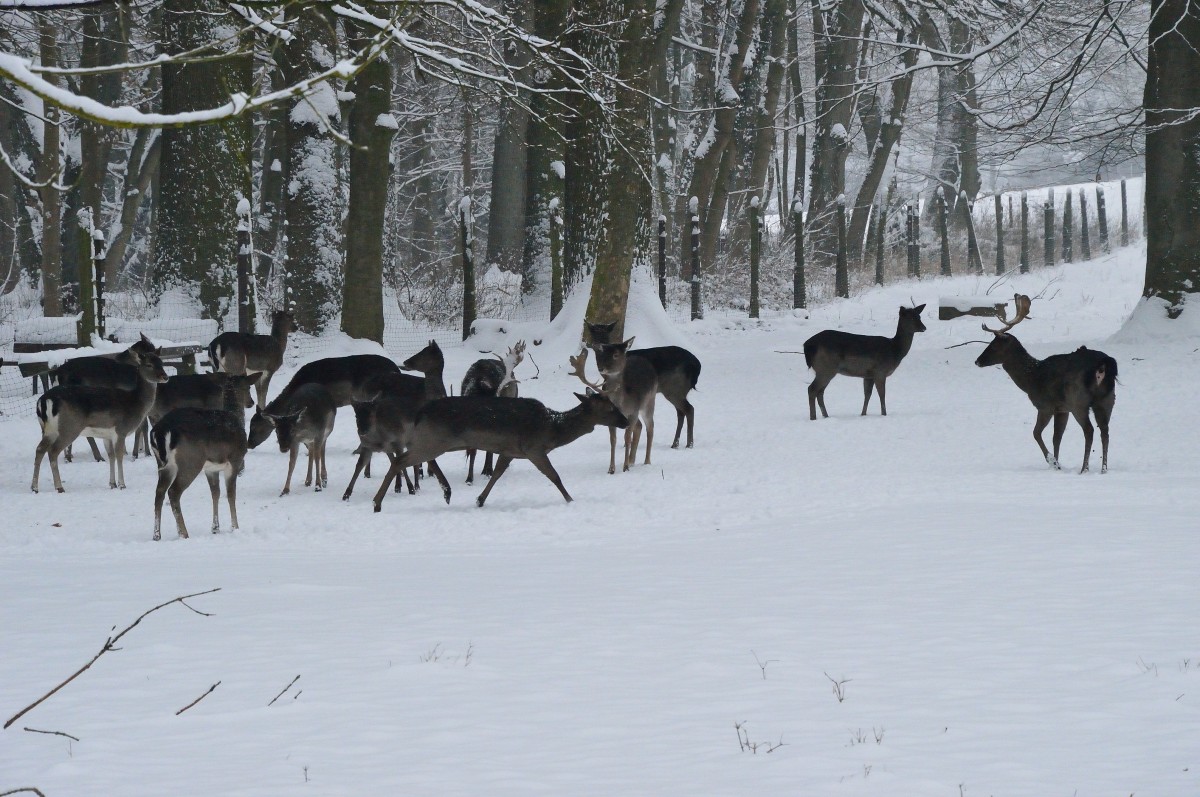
{"x": 910, "y": 605}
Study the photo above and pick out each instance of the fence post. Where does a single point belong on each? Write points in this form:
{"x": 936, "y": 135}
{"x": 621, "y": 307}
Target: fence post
{"x": 1085, "y": 241}
{"x": 662, "y": 261}
{"x": 1048, "y": 234}
{"x": 1102, "y": 218}
{"x": 1068, "y": 229}
{"x": 880, "y": 231}
{"x": 1000, "y": 233}
{"x": 556, "y": 269}
{"x": 98, "y": 255}
{"x": 943, "y": 213}
{"x": 798, "y": 297}
{"x": 841, "y": 277}
{"x": 245, "y": 318}
{"x": 468, "y": 265}
{"x": 755, "y": 254}
{"x": 87, "y": 308}
{"x": 1024, "y": 262}
{"x": 1124, "y": 215}
{"x": 696, "y": 310}
{"x": 914, "y": 241}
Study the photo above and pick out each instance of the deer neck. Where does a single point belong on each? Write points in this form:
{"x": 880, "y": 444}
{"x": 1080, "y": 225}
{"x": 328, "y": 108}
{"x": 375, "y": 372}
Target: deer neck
{"x": 145, "y": 394}
{"x": 1020, "y": 366}
{"x": 279, "y": 333}
{"x": 903, "y": 338}
{"x": 435, "y": 386}
{"x": 567, "y": 427}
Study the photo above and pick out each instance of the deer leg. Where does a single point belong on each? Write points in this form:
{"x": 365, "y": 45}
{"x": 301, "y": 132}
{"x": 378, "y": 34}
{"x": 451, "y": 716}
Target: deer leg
{"x": 816, "y": 395}
{"x": 631, "y": 433}
{"x": 436, "y": 470}
{"x": 231, "y": 495}
{"x": 542, "y": 463}
{"x": 868, "y": 386}
{"x": 412, "y": 488}
{"x": 497, "y": 471}
{"x": 308, "y": 472}
{"x": 166, "y": 476}
{"x": 487, "y": 464}
{"x": 612, "y": 449}
{"x": 110, "y": 448}
{"x": 214, "y": 489}
{"x": 367, "y": 471}
{"x": 287, "y": 484}
{"x": 398, "y": 464}
{"x": 1043, "y": 420}
{"x": 679, "y": 417}
{"x": 119, "y": 447}
{"x": 1103, "y": 413}
{"x": 68, "y": 455}
{"x": 173, "y": 493}
{"x": 54, "y": 450}
{"x": 1060, "y": 426}
{"x": 95, "y": 449}
{"x": 690, "y": 411}
{"x": 364, "y": 460}
{"x": 324, "y": 475}
{"x": 879, "y": 388}
{"x": 1088, "y": 430}
{"x": 471, "y": 466}
{"x": 42, "y": 447}
{"x": 649, "y": 433}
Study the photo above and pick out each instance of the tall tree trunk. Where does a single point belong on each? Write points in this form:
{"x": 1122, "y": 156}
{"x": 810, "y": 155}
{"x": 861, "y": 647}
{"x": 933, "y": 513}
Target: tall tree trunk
{"x": 204, "y": 169}
{"x": 48, "y": 168}
{"x": 701, "y": 130}
{"x": 506, "y": 214}
{"x": 888, "y": 138}
{"x": 142, "y": 165}
{"x": 544, "y": 147}
{"x": 272, "y": 198}
{"x": 955, "y": 150}
{"x": 837, "y": 27}
{"x": 1172, "y": 155}
{"x": 314, "y": 275}
{"x": 371, "y": 131}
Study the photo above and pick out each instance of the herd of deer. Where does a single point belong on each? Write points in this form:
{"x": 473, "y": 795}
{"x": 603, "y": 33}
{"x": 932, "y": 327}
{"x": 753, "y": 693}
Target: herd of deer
{"x": 198, "y": 420}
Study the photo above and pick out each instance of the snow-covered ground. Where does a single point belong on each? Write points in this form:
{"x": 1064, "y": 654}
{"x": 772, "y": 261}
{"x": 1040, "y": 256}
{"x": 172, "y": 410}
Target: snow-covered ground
{"x": 910, "y": 605}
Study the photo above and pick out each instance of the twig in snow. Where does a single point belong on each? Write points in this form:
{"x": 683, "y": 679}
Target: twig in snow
{"x": 50, "y": 733}
{"x": 197, "y": 700}
{"x": 289, "y": 686}
{"x": 777, "y": 351}
{"x": 965, "y": 342}
{"x": 762, "y": 665}
{"x": 109, "y": 645}
{"x": 535, "y": 365}
{"x": 24, "y": 790}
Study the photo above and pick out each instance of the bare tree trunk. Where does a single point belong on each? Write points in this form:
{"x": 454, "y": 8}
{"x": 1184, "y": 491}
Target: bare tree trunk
{"x": 506, "y": 213}
{"x": 371, "y": 131}
{"x": 48, "y": 169}
{"x": 1172, "y": 155}
{"x": 142, "y": 165}
{"x": 955, "y": 149}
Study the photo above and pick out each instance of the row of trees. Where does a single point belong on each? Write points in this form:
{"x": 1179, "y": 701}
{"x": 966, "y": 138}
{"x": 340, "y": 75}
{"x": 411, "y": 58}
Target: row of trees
{"x": 358, "y": 128}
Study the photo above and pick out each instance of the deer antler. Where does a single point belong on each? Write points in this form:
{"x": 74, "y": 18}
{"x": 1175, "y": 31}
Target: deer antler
{"x": 511, "y": 359}
{"x": 1022, "y": 304}
{"x": 578, "y": 363}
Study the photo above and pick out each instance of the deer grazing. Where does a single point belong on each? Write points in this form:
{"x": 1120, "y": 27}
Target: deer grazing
{"x": 243, "y": 353}
{"x": 189, "y": 440}
{"x": 306, "y": 418}
{"x": 514, "y": 428}
{"x": 873, "y": 358}
{"x": 491, "y": 378}
{"x": 1078, "y": 383}
{"x": 677, "y": 371}
{"x": 631, "y": 384}
{"x": 67, "y": 411}
{"x": 344, "y": 377}
{"x": 118, "y": 371}
{"x": 204, "y": 391}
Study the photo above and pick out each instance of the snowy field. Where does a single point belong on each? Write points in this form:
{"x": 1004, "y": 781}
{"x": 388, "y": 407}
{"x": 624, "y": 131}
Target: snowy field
{"x": 993, "y": 627}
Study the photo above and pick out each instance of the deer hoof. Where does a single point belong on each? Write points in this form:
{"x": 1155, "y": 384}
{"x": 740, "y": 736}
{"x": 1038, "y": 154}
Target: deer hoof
{"x": 345, "y": 496}
{"x": 479, "y": 503}
{"x": 157, "y": 537}
{"x": 61, "y": 489}
{"x": 285, "y": 492}
{"x": 446, "y": 495}
{"x": 377, "y": 507}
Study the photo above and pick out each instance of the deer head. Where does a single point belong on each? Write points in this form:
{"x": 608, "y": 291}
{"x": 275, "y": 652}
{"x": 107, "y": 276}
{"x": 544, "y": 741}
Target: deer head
{"x": 1022, "y": 303}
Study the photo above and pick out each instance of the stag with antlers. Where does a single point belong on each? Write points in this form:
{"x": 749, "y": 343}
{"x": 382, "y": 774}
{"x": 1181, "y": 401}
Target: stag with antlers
{"x": 1078, "y": 383}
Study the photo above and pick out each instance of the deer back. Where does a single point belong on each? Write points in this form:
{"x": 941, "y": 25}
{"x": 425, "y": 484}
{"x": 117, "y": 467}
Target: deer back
{"x": 73, "y": 408}
{"x": 199, "y": 436}
{"x": 306, "y": 416}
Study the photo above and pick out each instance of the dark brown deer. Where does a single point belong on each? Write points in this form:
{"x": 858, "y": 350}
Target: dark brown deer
{"x": 204, "y": 391}
{"x": 67, "y": 411}
{"x": 306, "y": 418}
{"x": 344, "y": 377}
{"x": 118, "y": 370}
{"x": 631, "y": 384}
{"x": 677, "y": 371}
{"x": 243, "y": 353}
{"x": 873, "y": 358}
{"x": 1077, "y": 383}
{"x": 189, "y": 440}
{"x": 491, "y": 378}
{"x": 514, "y": 428}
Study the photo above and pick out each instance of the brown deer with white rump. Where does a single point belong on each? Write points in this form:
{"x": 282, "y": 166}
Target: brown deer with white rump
{"x": 242, "y": 353}
{"x": 873, "y": 358}
{"x": 67, "y": 411}
{"x": 514, "y": 428}
{"x": 1077, "y": 383}
{"x": 189, "y": 440}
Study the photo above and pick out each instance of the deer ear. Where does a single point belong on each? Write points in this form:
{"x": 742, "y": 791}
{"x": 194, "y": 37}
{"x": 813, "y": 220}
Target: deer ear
{"x": 582, "y": 397}
{"x": 625, "y": 345}
{"x": 920, "y": 309}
